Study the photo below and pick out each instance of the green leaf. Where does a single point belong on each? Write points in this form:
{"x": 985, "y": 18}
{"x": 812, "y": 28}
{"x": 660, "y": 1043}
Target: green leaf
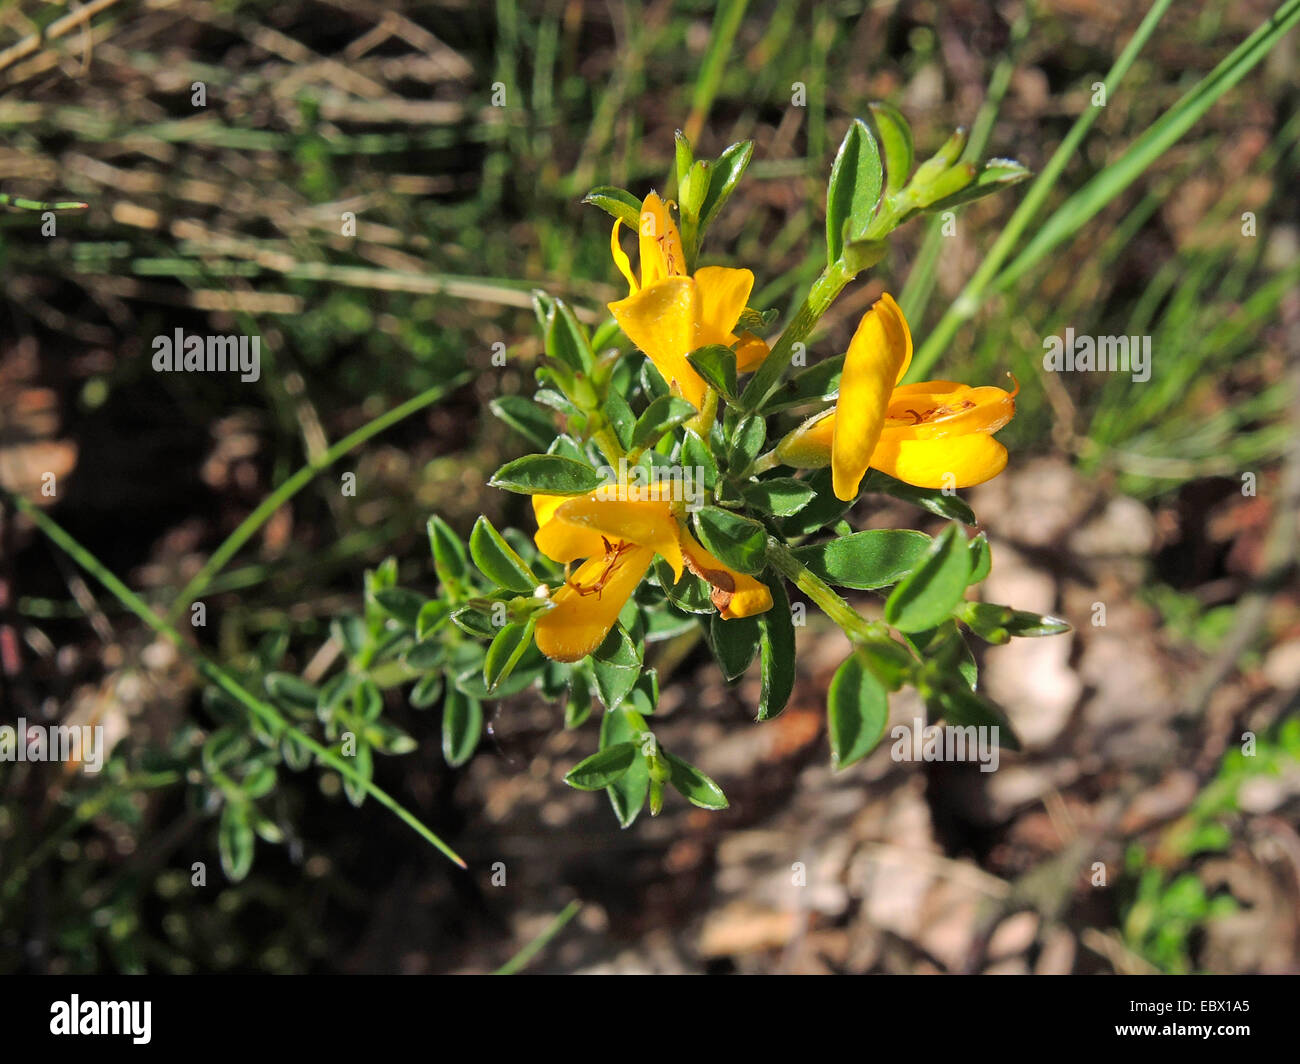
{"x": 963, "y": 707}
{"x": 824, "y": 509}
{"x": 936, "y": 166}
{"x": 577, "y": 707}
{"x": 660, "y": 417}
{"x": 389, "y": 739}
{"x": 425, "y": 656}
{"x": 469, "y": 619}
{"x": 693, "y": 784}
{"x": 449, "y": 559}
{"x": 779, "y": 496}
{"x": 567, "y": 340}
{"x": 462, "y": 724}
{"x": 723, "y": 178}
{"x": 853, "y": 193}
{"x": 401, "y": 604}
{"x": 617, "y": 203}
{"x": 689, "y": 594}
{"x": 997, "y": 624}
{"x": 981, "y": 558}
{"x": 857, "y": 710}
{"x": 736, "y": 541}
{"x": 289, "y": 689}
{"x": 817, "y": 383}
{"x": 683, "y": 155}
{"x": 259, "y": 782}
{"x": 946, "y": 651}
{"x": 890, "y": 662}
{"x": 427, "y": 691}
{"x": 548, "y": 474}
{"x": 431, "y": 617}
{"x": 746, "y": 441}
{"x": 603, "y": 767}
{"x": 776, "y": 651}
{"x": 628, "y": 793}
{"x": 666, "y": 622}
{"x": 937, "y": 584}
{"x": 620, "y": 416}
{"x": 734, "y": 644}
{"x": 953, "y": 507}
{"x": 895, "y": 136}
{"x": 504, "y": 652}
{"x": 333, "y": 692}
{"x": 497, "y": 560}
{"x": 717, "y": 365}
{"x": 865, "y": 560}
{"x": 756, "y": 321}
{"x": 235, "y": 841}
{"x": 697, "y": 455}
{"x": 616, "y": 665}
{"x": 528, "y": 419}
{"x": 367, "y": 699}
{"x": 364, "y": 763}
{"x": 996, "y": 174}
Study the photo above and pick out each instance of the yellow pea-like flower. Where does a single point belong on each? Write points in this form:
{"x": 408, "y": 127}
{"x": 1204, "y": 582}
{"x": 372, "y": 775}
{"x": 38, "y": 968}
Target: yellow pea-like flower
{"x": 935, "y": 434}
{"x": 878, "y": 356}
{"x": 669, "y": 314}
{"x": 619, "y": 539}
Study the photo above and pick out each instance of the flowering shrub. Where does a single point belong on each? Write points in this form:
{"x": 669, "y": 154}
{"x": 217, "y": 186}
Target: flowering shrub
{"x": 684, "y": 476}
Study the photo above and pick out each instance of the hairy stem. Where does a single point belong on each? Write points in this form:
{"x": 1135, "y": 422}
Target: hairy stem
{"x": 855, "y": 626}
{"x": 820, "y": 297}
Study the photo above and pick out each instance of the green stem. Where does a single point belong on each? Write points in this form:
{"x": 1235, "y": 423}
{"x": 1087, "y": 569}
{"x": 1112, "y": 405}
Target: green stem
{"x": 763, "y": 463}
{"x": 37, "y": 205}
{"x": 286, "y": 491}
{"x": 702, "y": 423}
{"x": 822, "y": 294}
{"x": 521, "y": 959}
{"x": 214, "y": 673}
{"x": 972, "y": 296}
{"x": 855, "y": 626}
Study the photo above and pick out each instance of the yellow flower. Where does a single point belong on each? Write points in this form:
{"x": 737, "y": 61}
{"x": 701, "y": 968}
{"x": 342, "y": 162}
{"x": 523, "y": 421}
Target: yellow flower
{"x": 669, "y": 314}
{"x": 619, "y": 539}
{"x": 936, "y": 434}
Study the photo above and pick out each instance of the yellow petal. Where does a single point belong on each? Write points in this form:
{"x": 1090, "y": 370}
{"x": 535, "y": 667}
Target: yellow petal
{"x": 587, "y": 606}
{"x": 898, "y": 323}
{"x": 951, "y": 462}
{"x": 751, "y": 353}
{"x": 661, "y": 244}
{"x": 559, "y": 541}
{"x": 660, "y": 319}
{"x": 877, "y": 357}
{"x": 620, "y": 258}
{"x": 644, "y": 523}
{"x": 544, "y": 506}
{"x": 734, "y": 594}
{"x": 563, "y": 542}
{"x": 809, "y": 446}
{"x": 929, "y": 412}
{"x": 723, "y": 295}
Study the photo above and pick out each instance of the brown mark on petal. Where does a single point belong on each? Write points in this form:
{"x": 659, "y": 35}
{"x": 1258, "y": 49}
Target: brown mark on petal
{"x": 722, "y": 586}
